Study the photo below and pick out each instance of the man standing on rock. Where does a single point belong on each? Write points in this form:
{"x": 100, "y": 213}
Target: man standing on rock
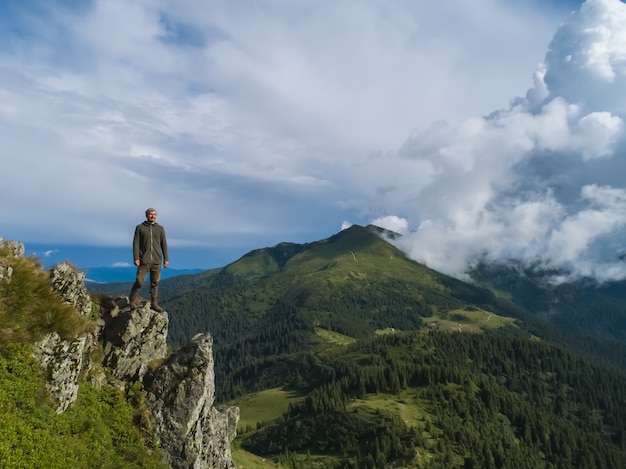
{"x": 149, "y": 250}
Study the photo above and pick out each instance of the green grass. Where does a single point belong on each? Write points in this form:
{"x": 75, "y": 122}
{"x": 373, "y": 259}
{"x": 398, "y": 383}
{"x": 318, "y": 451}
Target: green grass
{"x": 263, "y": 406}
{"x": 334, "y": 338}
{"x": 406, "y": 405}
{"x": 245, "y": 460}
{"x": 257, "y": 408}
{"x": 472, "y": 320}
{"x": 97, "y": 432}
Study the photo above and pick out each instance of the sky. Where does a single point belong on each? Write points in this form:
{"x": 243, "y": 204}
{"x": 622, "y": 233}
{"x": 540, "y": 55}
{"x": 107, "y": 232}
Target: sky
{"x": 481, "y": 130}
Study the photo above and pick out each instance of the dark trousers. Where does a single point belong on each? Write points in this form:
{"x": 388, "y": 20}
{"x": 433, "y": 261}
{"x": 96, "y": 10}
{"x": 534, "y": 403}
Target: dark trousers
{"x": 155, "y": 276}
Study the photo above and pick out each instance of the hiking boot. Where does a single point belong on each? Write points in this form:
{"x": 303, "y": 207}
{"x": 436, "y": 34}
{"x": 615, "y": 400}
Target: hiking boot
{"x": 134, "y": 301}
{"x": 154, "y": 305}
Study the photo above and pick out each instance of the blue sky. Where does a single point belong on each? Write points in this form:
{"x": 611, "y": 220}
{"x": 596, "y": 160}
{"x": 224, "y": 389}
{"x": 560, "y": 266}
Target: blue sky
{"x": 480, "y": 129}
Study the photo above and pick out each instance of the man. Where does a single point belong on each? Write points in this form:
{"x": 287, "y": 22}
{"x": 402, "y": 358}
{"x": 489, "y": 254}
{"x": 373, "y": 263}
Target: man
{"x": 149, "y": 250}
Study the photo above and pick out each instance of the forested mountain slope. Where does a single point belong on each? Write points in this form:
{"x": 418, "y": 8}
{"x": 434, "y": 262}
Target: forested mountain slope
{"x": 583, "y": 305}
{"x": 442, "y": 400}
{"x": 374, "y": 360}
{"x": 275, "y": 301}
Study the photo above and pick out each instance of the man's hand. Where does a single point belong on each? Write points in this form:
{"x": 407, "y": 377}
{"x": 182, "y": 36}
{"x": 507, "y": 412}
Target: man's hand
{"x": 166, "y": 264}
{"x": 137, "y": 262}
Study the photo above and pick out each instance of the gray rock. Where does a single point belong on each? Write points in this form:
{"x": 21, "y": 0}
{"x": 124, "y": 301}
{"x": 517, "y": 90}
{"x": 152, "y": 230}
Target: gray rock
{"x": 132, "y": 339}
{"x": 180, "y": 395}
{"x": 62, "y": 361}
{"x": 15, "y": 247}
{"x": 69, "y": 284}
{"x": 6, "y": 271}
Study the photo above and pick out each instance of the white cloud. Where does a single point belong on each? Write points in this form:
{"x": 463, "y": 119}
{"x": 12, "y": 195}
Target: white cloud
{"x": 597, "y": 134}
{"x": 537, "y": 181}
{"x": 586, "y": 60}
{"x": 392, "y": 223}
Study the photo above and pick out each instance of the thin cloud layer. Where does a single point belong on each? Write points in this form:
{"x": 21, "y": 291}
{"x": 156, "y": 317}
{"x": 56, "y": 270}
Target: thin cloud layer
{"x": 540, "y": 181}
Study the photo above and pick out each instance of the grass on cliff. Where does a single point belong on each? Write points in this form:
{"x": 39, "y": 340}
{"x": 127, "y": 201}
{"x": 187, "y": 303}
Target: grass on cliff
{"x": 29, "y": 309}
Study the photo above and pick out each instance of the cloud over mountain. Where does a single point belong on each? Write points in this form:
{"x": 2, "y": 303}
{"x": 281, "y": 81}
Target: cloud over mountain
{"x": 541, "y": 180}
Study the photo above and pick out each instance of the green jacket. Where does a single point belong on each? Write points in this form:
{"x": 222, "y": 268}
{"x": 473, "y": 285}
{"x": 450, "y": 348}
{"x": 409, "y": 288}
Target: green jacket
{"x": 150, "y": 244}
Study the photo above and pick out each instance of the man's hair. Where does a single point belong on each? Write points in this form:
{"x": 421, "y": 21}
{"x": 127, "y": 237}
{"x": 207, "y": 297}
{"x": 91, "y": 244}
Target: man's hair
{"x": 150, "y": 210}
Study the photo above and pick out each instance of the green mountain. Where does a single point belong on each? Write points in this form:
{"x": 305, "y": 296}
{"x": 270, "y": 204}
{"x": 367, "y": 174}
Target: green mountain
{"x": 341, "y": 353}
{"x": 287, "y": 298}
{"x": 344, "y": 353}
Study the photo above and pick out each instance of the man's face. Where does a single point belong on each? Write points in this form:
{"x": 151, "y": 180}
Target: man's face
{"x": 151, "y": 216}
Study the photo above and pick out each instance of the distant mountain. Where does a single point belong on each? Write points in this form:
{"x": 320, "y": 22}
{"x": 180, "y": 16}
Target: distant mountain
{"x": 355, "y": 283}
{"x": 583, "y": 306}
{"x": 127, "y": 274}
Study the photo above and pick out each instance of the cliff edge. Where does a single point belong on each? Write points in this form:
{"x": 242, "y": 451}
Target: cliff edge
{"x": 131, "y": 350}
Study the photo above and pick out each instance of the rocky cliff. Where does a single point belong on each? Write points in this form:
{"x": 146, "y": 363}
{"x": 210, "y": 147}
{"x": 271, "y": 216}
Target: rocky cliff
{"x": 131, "y": 346}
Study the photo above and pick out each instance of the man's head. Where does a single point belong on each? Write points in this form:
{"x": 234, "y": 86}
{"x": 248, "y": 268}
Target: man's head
{"x": 151, "y": 215}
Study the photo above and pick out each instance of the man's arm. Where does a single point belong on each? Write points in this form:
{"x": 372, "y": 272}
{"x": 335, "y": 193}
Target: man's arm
{"x": 136, "y": 240}
{"x": 166, "y": 256}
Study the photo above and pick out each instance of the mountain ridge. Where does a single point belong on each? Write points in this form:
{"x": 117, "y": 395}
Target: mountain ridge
{"x": 127, "y": 274}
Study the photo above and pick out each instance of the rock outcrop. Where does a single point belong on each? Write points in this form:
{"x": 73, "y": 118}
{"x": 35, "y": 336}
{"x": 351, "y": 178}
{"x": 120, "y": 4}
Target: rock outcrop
{"x": 180, "y": 395}
{"x": 69, "y": 284}
{"x": 16, "y": 249}
{"x": 132, "y": 339}
{"x": 180, "y": 388}
{"x": 64, "y": 360}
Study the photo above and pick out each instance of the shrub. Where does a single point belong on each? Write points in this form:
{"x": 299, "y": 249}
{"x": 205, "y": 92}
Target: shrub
{"x": 29, "y": 308}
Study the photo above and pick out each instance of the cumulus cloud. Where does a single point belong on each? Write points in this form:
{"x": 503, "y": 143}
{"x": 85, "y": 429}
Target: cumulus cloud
{"x": 539, "y": 181}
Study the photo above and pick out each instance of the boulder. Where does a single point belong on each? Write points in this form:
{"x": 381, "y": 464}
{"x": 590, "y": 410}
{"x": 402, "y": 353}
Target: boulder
{"x": 15, "y": 247}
